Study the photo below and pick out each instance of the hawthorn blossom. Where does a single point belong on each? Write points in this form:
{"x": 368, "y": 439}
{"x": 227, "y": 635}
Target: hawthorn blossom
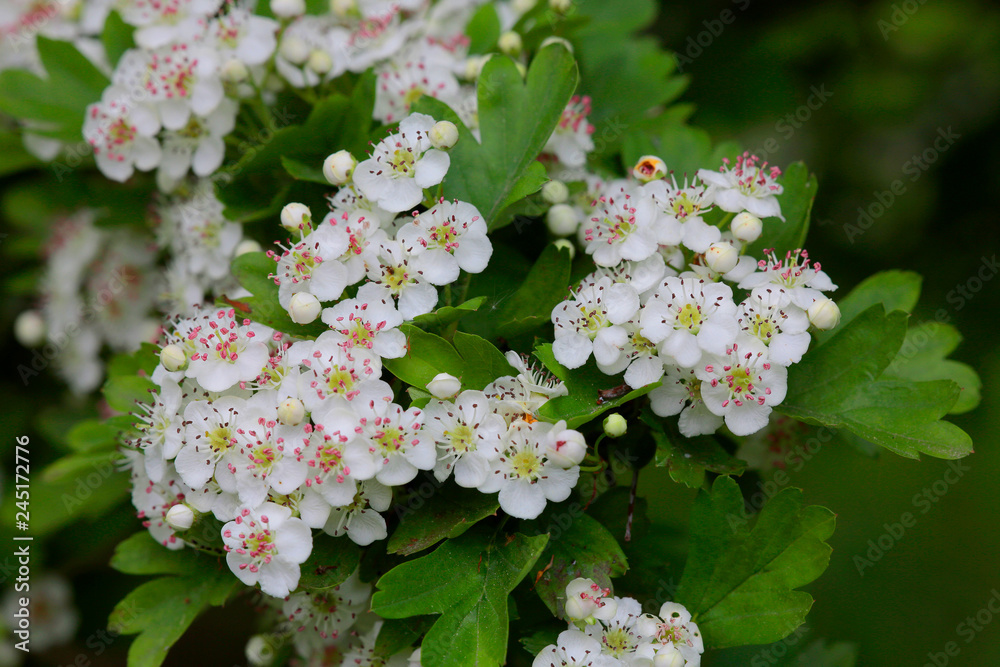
{"x": 152, "y": 500}
{"x": 571, "y": 139}
{"x": 404, "y": 80}
{"x": 768, "y": 315}
{"x": 466, "y": 434}
{"x": 337, "y": 461}
{"x": 414, "y": 295}
{"x": 742, "y": 385}
{"x": 239, "y": 34}
{"x": 333, "y": 373}
{"x": 199, "y": 145}
{"x": 801, "y": 278}
{"x": 311, "y": 266}
{"x": 624, "y": 635}
{"x": 676, "y": 631}
{"x": 368, "y": 322}
{"x": 323, "y": 616}
{"x": 624, "y": 225}
{"x": 402, "y": 165}
{"x": 689, "y": 316}
{"x": 265, "y": 546}
{"x": 574, "y": 648}
{"x": 227, "y": 352}
{"x": 210, "y": 445}
{"x": 747, "y": 186}
{"x": 624, "y": 348}
{"x": 123, "y": 135}
{"x": 447, "y": 238}
{"x": 360, "y": 519}
{"x": 594, "y": 311}
{"x": 684, "y": 206}
{"x": 680, "y": 392}
{"x": 161, "y": 428}
{"x": 166, "y": 21}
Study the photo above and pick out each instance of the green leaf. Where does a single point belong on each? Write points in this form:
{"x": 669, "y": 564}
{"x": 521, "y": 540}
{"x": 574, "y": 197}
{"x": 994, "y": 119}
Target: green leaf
{"x": 922, "y": 357}
{"x": 449, "y": 512}
{"x": 483, "y": 362}
{"x": 251, "y": 270}
{"x": 896, "y": 290}
{"x": 534, "y": 643}
{"x": 467, "y": 581}
{"x": 445, "y": 315}
{"x": 542, "y": 290}
{"x": 683, "y": 148}
{"x": 739, "y": 583}
{"x": 304, "y": 172}
{"x": 516, "y": 117}
{"x": 160, "y": 611}
{"x": 687, "y": 459}
{"x": 473, "y": 360}
{"x": 483, "y": 30}
{"x": 92, "y": 435}
{"x": 584, "y": 548}
{"x": 15, "y": 158}
{"x": 117, "y": 37}
{"x": 331, "y": 562}
{"x": 124, "y": 391}
{"x": 839, "y": 385}
{"x": 401, "y": 634}
{"x": 141, "y": 554}
{"x": 582, "y": 404}
{"x": 796, "y": 204}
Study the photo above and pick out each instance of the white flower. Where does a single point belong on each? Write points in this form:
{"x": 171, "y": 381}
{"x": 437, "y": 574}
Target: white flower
{"x": 520, "y": 396}
{"x": 684, "y": 206}
{"x": 160, "y": 23}
{"x": 677, "y": 631}
{"x": 466, "y": 434}
{"x": 311, "y": 266}
{"x": 368, "y": 322}
{"x": 593, "y": 312}
{"x": 767, "y": 314}
{"x": 303, "y": 37}
{"x": 404, "y": 80}
{"x": 747, "y": 186}
{"x": 624, "y": 225}
{"x": 524, "y": 474}
{"x": 680, "y": 392}
{"x": 210, "y": 443}
{"x": 624, "y": 348}
{"x": 402, "y": 165}
{"x": 624, "y": 633}
{"x": 742, "y": 385}
{"x": 360, "y": 519}
{"x": 238, "y": 34}
{"x": 321, "y": 617}
{"x": 586, "y": 601}
{"x": 800, "y": 277}
{"x": 152, "y": 500}
{"x": 266, "y": 545}
{"x": 334, "y": 373}
{"x": 161, "y": 428}
{"x": 573, "y": 649}
{"x": 444, "y": 386}
{"x": 571, "y": 141}
{"x": 199, "y": 145}
{"x": 689, "y": 316}
{"x": 447, "y": 238}
{"x": 337, "y": 460}
{"x": 123, "y": 135}
{"x": 227, "y": 352}
{"x": 414, "y": 295}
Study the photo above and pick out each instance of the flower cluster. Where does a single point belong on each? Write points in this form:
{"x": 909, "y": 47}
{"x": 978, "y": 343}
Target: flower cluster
{"x": 609, "y": 631}
{"x": 676, "y": 301}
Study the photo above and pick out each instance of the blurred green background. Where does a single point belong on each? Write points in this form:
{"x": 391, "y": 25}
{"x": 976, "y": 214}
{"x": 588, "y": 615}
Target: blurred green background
{"x": 884, "y": 80}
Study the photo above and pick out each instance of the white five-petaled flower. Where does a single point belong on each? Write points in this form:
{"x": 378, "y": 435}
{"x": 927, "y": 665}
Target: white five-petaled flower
{"x": 402, "y": 165}
{"x": 768, "y": 315}
{"x": 680, "y": 392}
{"x": 447, "y": 238}
{"x": 742, "y": 385}
{"x": 524, "y": 475}
{"x": 466, "y": 434}
{"x": 368, "y": 321}
{"x": 414, "y": 295}
{"x": 265, "y": 545}
{"x": 360, "y": 519}
{"x": 333, "y": 372}
{"x": 689, "y": 316}
{"x": 684, "y": 206}
{"x": 676, "y": 631}
{"x": 402, "y": 81}
{"x": 625, "y": 225}
{"x": 574, "y": 648}
{"x": 160, "y": 23}
{"x": 624, "y": 348}
{"x": 321, "y": 617}
{"x": 228, "y": 352}
{"x": 800, "y": 277}
{"x": 311, "y": 265}
{"x": 595, "y": 309}
{"x": 210, "y": 443}
{"x": 748, "y": 186}
{"x": 571, "y": 139}
{"x": 122, "y": 134}
{"x": 626, "y": 634}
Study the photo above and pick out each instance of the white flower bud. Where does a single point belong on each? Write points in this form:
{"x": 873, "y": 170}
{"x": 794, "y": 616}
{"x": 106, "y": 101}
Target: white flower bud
{"x": 259, "y": 651}
{"x": 510, "y": 43}
{"x": 344, "y": 8}
{"x": 567, "y": 448}
{"x": 722, "y": 257}
{"x": 291, "y": 412}
{"x": 615, "y": 425}
{"x": 746, "y": 227}
{"x": 339, "y": 167}
{"x": 568, "y": 245}
{"x": 173, "y": 358}
{"x": 649, "y": 168}
{"x": 555, "y": 192}
{"x": 180, "y": 517}
{"x": 668, "y": 656}
{"x": 443, "y": 135}
{"x": 234, "y": 71}
{"x": 296, "y": 217}
{"x": 320, "y": 62}
{"x": 444, "y": 385}
{"x": 245, "y": 246}
{"x": 562, "y": 220}
{"x": 29, "y": 329}
{"x": 523, "y": 6}
{"x": 286, "y": 9}
{"x": 824, "y": 313}
{"x": 586, "y": 601}
{"x": 474, "y": 65}
{"x": 561, "y": 6}
{"x": 304, "y": 308}
{"x": 557, "y": 40}
{"x": 294, "y": 50}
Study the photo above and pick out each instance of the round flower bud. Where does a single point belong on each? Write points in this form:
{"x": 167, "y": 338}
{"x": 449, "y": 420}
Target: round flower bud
{"x": 567, "y": 448}
{"x": 180, "y": 517}
{"x": 291, "y": 412}
{"x": 587, "y": 601}
{"x": 568, "y": 245}
{"x": 722, "y": 257}
{"x": 562, "y": 220}
{"x": 29, "y": 329}
{"x": 234, "y": 71}
{"x": 443, "y": 135}
{"x": 561, "y": 6}
{"x": 304, "y": 308}
{"x": 523, "y": 6}
{"x": 339, "y": 167}
{"x": 259, "y": 651}
{"x": 510, "y": 43}
{"x": 474, "y": 65}
{"x": 557, "y": 40}
{"x": 649, "y": 168}
{"x": 668, "y": 656}
{"x": 286, "y": 9}
{"x": 173, "y": 358}
{"x": 320, "y": 62}
{"x": 746, "y": 227}
{"x": 294, "y": 50}
{"x": 295, "y": 217}
{"x": 344, "y": 8}
{"x": 247, "y": 245}
{"x": 555, "y": 192}
{"x": 824, "y": 313}
{"x": 615, "y": 425}
{"x": 444, "y": 385}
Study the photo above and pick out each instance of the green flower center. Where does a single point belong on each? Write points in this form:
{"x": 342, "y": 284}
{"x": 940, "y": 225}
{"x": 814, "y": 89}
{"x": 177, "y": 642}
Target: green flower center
{"x": 690, "y": 317}
{"x": 617, "y": 642}
{"x": 763, "y": 328}
{"x": 219, "y": 438}
{"x": 402, "y": 162}
{"x": 526, "y": 464}
{"x": 462, "y": 438}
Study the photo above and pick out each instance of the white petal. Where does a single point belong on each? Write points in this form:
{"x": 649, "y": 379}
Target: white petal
{"x": 572, "y": 351}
